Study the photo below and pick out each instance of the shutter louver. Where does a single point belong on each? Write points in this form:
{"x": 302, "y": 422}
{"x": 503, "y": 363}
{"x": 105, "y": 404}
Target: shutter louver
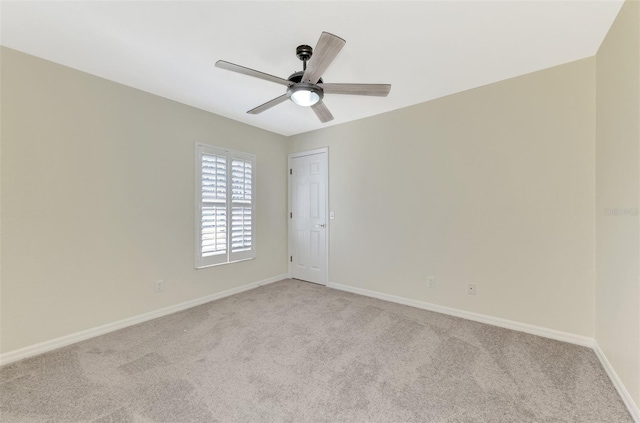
{"x": 240, "y": 229}
{"x": 241, "y": 210}
{"x": 240, "y": 181}
{"x": 214, "y": 205}
{"x": 214, "y": 230}
{"x": 214, "y": 178}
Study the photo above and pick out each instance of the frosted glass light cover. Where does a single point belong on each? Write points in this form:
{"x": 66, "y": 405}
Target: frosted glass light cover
{"x": 305, "y": 98}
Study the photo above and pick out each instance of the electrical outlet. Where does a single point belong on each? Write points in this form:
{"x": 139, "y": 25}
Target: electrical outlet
{"x": 471, "y": 289}
{"x": 159, "y": 286}
{"x": 431, "y": 282}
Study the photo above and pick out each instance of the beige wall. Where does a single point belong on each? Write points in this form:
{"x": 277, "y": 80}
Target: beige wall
{"x": 618, "y": 187}
{"x": 98, "y": 201}
{"x": 493, "y": 186}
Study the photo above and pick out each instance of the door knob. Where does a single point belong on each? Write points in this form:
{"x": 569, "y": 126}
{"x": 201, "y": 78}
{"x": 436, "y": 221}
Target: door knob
{"x": 320, "y": 225}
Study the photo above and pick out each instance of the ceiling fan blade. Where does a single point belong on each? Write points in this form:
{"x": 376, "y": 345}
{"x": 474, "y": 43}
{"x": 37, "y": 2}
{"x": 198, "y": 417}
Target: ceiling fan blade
{"x": 326, "y": 50}
{"x": 268, "y": 104}
{"x": 380, "y": 90}
{"x": 322, "y": 112}
{"x": 250, "y": 72}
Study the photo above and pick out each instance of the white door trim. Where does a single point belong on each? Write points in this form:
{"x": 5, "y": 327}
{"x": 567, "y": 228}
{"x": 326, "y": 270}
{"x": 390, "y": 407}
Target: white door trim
{"x": 326, "y": 193}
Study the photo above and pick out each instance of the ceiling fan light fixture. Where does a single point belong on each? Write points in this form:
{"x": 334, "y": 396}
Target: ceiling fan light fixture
{"x": 306, "y": 87}
{"x": 305, "y": 98}
{"x": 305, "y": 95}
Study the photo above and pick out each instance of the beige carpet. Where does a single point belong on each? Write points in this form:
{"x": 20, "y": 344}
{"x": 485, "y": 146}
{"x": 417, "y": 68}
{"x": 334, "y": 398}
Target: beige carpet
{"x": 298, "y": 352}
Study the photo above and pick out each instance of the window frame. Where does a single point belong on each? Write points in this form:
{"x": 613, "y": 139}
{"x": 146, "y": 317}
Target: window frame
{"x": 228, "y": 256}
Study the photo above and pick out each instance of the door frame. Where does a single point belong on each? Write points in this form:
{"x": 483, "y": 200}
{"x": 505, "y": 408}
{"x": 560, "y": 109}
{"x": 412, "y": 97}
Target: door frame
{"x": 326, "y": 202}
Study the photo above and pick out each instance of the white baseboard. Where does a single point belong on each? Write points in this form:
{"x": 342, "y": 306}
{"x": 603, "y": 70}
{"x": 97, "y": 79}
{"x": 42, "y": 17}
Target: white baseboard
{"x": 622, "y": 390}
{"x": 19, "y": 354}
{"x": 42, "y": 347}
{"x": 584, "y": 341}
{"x": 510, "y": 324}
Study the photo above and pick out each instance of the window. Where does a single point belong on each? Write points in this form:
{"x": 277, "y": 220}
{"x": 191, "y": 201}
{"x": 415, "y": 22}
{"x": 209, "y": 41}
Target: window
{"x": 225, "y": 205}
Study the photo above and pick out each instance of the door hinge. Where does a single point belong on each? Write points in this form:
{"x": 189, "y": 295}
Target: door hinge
{"x": 290, "y": 171}
{"x": 290, "y": 215}
{"x": 291, "y": 259}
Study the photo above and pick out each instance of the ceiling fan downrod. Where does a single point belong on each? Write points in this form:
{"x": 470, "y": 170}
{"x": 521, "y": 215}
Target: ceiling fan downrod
{"x": 304, "y": 53}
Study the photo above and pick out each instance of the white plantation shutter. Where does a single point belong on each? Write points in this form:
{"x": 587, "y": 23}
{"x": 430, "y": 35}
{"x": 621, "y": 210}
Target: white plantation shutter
{"x": 224, "y": 225}
{"x": 241, "y": 208}
{"x": 213, "y": 228}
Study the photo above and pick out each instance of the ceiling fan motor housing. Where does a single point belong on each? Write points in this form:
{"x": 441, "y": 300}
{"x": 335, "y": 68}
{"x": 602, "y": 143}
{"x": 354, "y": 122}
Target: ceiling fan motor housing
{"x": 304, "y": 93}
{"x": 296, "y": 77}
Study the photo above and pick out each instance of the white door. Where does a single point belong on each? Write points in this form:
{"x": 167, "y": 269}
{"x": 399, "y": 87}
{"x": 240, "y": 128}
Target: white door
{"x": 308, "y": 209}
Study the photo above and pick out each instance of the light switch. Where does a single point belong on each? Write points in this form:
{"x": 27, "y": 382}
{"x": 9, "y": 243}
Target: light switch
{"x": 332, "y": 215}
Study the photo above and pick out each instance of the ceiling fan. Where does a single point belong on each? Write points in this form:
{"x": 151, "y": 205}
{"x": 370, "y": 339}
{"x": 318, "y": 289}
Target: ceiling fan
{"x": 306, "y": 87}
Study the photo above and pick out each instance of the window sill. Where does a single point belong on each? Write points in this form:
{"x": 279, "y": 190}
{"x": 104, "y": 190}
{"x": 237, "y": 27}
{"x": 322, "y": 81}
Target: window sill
{"x": 222, "y": 264}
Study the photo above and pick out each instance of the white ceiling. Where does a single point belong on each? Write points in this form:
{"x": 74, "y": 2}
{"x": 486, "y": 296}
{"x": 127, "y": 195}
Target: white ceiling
{"x": 425, "y": 49}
